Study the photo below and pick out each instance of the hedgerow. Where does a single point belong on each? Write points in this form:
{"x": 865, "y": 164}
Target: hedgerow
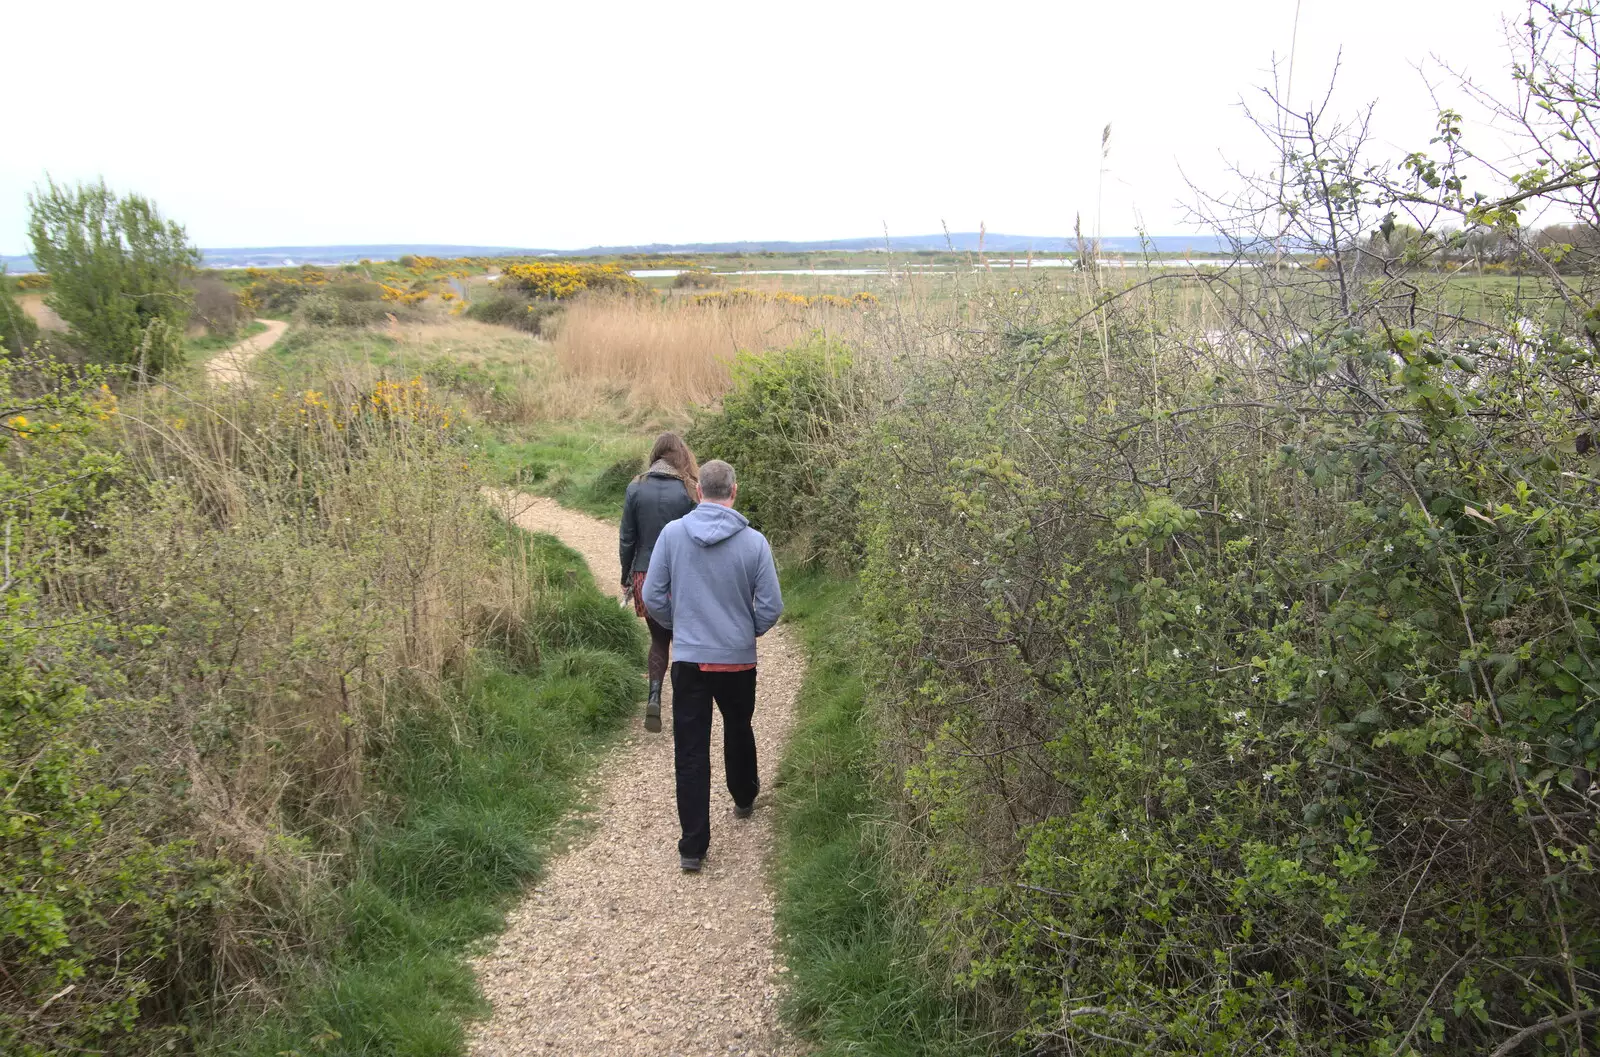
{"x": 1231, "y": 639}
{"x": 1229, "y": 711}
{"x": 785, "y": 425}
{"x": 216, "y": 616}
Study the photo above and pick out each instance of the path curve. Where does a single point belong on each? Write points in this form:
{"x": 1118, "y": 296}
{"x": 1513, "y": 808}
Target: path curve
{"x": 618, "y": 953}
{"x": 227, "y": 367}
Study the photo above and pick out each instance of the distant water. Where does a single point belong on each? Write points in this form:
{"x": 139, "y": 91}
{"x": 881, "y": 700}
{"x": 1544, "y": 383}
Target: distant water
{"x": 932, "y": 269}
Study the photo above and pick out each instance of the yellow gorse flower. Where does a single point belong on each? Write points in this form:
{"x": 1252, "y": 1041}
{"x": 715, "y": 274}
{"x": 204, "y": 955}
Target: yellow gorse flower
{"x": 557, "y": 281}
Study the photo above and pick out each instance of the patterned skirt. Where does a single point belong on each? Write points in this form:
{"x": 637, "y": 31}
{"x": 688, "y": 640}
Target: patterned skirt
{"x": 638, "y": 593}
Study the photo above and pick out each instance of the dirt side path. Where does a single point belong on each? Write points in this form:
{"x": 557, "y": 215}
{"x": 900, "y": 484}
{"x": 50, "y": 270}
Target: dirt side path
{"x": 228, "y": 367}
{"x": 617, "y": 951}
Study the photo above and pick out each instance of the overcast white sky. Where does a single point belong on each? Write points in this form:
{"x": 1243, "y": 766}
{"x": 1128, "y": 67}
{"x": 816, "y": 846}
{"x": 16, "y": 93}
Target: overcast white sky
{"x": 580, "y": 123}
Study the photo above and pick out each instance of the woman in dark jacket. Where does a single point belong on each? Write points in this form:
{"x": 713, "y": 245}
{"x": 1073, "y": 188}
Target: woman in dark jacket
{"x": 662, "y": 494}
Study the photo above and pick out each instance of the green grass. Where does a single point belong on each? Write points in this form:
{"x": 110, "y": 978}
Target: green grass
{"x": 473, "y": 792}
{"x": 582, "y": 465}
{"x": 203, "y": 348}
{"x": 860, "y": 982}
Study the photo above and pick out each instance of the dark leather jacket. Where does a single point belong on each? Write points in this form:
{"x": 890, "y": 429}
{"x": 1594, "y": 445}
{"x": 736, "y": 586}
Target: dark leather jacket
{"x": 656, "y": 498}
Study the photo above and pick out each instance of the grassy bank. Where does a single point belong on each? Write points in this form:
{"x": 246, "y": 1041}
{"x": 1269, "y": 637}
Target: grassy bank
{"x": 860, "y": 980}
{"x": 469, "y": 798}
{"x": 202, "y": 348}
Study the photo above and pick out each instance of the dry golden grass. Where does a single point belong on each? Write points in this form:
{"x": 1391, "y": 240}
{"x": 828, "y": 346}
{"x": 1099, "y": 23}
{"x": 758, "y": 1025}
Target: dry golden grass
{"x": 669, "y": 352}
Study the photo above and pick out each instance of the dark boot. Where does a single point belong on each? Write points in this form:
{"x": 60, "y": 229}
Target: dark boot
{"x": 652, "y": 708}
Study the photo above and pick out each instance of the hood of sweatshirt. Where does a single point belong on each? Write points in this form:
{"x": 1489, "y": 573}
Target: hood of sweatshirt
{"x": 709, "y": 523}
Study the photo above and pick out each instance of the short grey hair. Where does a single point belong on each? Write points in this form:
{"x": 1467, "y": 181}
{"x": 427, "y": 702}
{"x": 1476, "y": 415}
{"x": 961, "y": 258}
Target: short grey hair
{"x": 717, "y": 480}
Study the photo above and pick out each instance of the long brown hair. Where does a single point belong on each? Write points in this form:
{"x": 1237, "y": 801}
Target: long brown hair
{"x": 670, "y": 446}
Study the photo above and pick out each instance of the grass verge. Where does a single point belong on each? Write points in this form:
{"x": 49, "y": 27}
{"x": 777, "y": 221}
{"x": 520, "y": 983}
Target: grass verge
{"x": 471, "y": 795}
{"x": 860, "y": 982}
{"x": 206, "y": 346}
{"x": 585, "y": 467}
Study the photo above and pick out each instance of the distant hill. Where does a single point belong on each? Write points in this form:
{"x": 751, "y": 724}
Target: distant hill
{"x": 963, "y": 241}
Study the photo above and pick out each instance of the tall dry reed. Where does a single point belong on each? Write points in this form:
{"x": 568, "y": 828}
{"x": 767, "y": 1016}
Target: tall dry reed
{"x": 668, "y": 352}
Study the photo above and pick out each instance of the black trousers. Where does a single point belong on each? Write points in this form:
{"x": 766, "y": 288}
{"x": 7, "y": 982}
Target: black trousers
{"x": 693, "y": 693}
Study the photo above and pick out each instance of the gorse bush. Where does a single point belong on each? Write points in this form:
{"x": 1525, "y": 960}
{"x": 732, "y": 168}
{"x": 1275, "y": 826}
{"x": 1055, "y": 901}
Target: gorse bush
{"x": 328, "y": 309}
{"x": 560, "y": 281}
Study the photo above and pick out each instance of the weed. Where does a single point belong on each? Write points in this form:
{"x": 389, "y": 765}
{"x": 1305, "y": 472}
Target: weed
{"x": 476, "y": 789}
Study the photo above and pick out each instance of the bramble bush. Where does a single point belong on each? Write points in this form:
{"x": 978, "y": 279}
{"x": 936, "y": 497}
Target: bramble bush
{"x": 1236, "y": 682}
{"x": 1234, "y": 715}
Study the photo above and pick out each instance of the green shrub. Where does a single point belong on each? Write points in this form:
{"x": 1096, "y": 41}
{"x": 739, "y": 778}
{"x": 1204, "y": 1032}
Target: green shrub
{"x": 217, "y": 305}
{"x": 785, "y": 425}
{"x": 101, "y": 897}
{"x": 1224, "y": 717}
{"x": 115, "y": 269}
{"x": 697, "y": 279}
{"x": 514, "y": 310}
{"x": 354, "y": 291}
{"x": 326, "y": 309}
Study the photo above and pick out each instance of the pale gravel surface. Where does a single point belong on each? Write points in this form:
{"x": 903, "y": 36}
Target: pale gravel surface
{"x": 617, "y": 951}
{"x": 228, "y": 367}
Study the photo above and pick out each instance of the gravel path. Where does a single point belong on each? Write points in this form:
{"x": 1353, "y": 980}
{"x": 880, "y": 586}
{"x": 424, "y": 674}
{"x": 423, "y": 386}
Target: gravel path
{"x": 617, "y": 951}
{"x": 227, "y": 367}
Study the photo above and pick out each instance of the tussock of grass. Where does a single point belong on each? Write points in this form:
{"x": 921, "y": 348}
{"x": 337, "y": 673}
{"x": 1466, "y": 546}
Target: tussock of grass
{"x": 473, "y": 792}
{"x": 859, "y": 978}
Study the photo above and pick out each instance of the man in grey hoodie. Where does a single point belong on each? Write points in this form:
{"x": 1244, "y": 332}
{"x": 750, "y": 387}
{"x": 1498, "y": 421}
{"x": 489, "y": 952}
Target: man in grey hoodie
{"x": 713, "y": 582}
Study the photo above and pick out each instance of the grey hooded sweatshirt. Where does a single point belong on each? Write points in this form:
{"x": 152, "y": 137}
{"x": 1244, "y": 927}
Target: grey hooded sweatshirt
{"x": 713, "y": 582}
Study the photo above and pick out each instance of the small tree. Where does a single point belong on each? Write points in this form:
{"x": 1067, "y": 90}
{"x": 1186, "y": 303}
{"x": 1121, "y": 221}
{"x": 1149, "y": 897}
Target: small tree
{"x": 17, "y": 329}
{"x": 115, "y": 268}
